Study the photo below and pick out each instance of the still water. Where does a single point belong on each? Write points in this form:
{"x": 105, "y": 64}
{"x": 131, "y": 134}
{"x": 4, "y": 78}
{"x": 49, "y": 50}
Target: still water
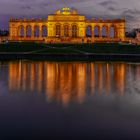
{"x": 71, "y": 99}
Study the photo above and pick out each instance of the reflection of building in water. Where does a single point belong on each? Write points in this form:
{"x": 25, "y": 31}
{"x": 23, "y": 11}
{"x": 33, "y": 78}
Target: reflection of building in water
{"x": 66, "y": 82}
{"x": 108, "y": 78}
{"x": 119, "y": 76}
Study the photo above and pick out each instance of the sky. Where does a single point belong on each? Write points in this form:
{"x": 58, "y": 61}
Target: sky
{"x": 130, "y": 9}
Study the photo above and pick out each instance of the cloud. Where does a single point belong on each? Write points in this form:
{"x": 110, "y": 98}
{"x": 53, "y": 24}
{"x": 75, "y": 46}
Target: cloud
{"x": 26, "y": 7}
{"x": 90, "y": 8}
{"x": 111, "y": 8}
{"x": 107, "y": 3}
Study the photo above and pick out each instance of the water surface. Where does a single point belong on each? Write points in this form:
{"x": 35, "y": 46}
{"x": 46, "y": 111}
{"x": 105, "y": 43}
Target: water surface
{"x": 71, "y": 99}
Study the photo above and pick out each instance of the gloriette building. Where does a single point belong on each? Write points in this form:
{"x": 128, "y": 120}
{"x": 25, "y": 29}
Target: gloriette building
{"x": 66, "y": 25}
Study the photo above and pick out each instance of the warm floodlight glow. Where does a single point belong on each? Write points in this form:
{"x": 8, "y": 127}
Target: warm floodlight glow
{"x": 79, "y": 29}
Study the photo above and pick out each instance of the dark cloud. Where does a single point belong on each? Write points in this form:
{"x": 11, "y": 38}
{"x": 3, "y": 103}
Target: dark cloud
{"x": 107, "y": 3}
{"x": 91, "y": 8}
{"x": 26, "y": 7}
{"x": 111, "y": 8}
{"x": 133, "y": 12}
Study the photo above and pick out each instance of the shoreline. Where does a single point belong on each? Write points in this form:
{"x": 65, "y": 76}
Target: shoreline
{"x": 70, "y": 52}
{"x": 70, "y": 57}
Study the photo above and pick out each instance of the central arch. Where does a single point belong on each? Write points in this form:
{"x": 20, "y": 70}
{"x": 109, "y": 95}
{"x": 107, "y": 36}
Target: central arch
{"x": 58, "y": 30}
{"x": 36, "y": 31}
{"x": 74, "y": 31}
{"x": 66, "y": 30}
{"x": 89, "y": 31}
{"x": 104, "y": 31}
{"x": 21, "y": 31}
{"x": 112, "y": 31}
{"x": 97, "y": 31}
{"x": 44, "y": 31}
{"x": 28, "y": 31}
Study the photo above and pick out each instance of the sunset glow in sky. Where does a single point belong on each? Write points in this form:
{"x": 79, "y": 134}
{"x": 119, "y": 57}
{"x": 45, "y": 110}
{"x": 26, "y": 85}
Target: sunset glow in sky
{"x": 91, "y": 8}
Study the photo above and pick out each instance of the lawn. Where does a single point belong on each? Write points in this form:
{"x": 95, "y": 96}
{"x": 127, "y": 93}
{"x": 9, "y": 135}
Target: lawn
{"x": 99, "y": 48}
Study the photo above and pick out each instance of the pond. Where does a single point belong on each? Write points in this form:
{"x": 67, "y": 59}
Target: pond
{"x": 41, "y": 99}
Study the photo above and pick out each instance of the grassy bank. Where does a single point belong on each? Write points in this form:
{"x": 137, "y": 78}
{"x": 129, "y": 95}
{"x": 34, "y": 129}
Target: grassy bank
{"x": 100, "y": 48}
{"x": 70, "y": 52}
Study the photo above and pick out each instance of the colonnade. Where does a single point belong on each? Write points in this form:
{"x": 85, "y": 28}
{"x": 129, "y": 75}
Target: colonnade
{"x": 67, "y": 31}
{"x": 101, "y": 31}
{"x": 42, "y": 31}
{"x": 32, "y": 31}
{"x": 66, "y": 25}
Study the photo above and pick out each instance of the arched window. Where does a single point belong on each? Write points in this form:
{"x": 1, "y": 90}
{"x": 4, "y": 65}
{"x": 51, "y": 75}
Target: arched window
{"x": 28, "y": 31}
{"x": 21, "y": 31}
{"x": 36, "y": 31}
{"x": 66, "y": 30}
{"x": 74, "y": 31}
{"x": 58, "y": 30}
{"x": 104, "y": 31}
{"x": 112, "y": 32}
{"x": 96, "y": 31}
{"x": 44, "y": 31}
{"x": 89, "y": 31}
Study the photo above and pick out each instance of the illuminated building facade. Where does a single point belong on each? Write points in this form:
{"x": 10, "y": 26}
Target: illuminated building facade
{"x": 66, "y": 25}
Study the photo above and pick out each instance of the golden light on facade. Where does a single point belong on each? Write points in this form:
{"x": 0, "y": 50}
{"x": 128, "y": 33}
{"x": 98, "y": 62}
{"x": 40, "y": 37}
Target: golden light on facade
{"x": 76, "y": 30}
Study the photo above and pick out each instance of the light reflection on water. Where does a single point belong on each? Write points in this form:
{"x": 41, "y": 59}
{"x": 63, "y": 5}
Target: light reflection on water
{"x": 53, "y": 99}
{"x": 73, "y": 81}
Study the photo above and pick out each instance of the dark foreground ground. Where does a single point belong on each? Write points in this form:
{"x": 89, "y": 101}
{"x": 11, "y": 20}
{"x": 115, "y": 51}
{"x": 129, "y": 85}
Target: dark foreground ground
{"x": 70, "y": 52}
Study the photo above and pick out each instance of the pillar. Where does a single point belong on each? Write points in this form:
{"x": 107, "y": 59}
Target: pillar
{"x": 33, "y": 32}
{"x": 18, "y": 31}
{"x": 108, "y": 32}
{"x": 40, "y": 32}
{"x": 62, "y": 31}
{"x": 115, "y": 32}
{"x": 92, "y": 32}
{"x": 70, "y": 31}
{"x": 100, "y": 32}
{"x": 25, "y": 31}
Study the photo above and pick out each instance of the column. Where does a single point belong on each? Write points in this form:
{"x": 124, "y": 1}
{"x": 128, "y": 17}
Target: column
{"x": 115, "y": 32}
{"x": 25, "y": 31}
{"x": 70, "y": 31}
{"x": 92, "y": 31}
{"x": 33, "y": 32}
{"x": 62, "y": 31}
{"x": 18, "y": 31}
{"x": 100, "y": 32}
{"x": 40, "y": 31}
{"x": 108, "y": 32}
{"x": 27, "y": 28}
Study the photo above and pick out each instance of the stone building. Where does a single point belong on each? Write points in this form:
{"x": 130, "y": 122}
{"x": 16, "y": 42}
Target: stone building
{"x": 66, "y": 25}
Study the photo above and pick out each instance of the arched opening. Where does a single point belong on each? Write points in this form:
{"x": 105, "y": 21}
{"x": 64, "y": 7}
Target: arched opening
{"x": 36, "y": 31}
{"x": 104, "y": 31}
{"x": 112, "y": 32}
{"x": 74, "y": 31}
{"x": 66, "y": 31}
{"x": 21, "y": 31}
{"x": 58, "y": 30}
{"x": 89, "y": 31}
{"x": 44, "y": 31}
{"x": 96, "y": 31}
{"x": 28, "y": 31}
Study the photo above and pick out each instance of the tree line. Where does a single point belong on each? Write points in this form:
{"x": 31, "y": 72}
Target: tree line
{"x": 132, "y": 33}
{"x": 4, "y": 32}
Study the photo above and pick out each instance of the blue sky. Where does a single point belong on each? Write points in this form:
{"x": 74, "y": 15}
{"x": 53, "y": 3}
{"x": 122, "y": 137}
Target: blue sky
{"x": 130, "y": 9}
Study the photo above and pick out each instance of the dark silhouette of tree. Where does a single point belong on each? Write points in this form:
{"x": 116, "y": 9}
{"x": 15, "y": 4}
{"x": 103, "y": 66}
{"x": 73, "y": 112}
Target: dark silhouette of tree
{"x": 132, "y": 33}
{"x": 4, "y": 32}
